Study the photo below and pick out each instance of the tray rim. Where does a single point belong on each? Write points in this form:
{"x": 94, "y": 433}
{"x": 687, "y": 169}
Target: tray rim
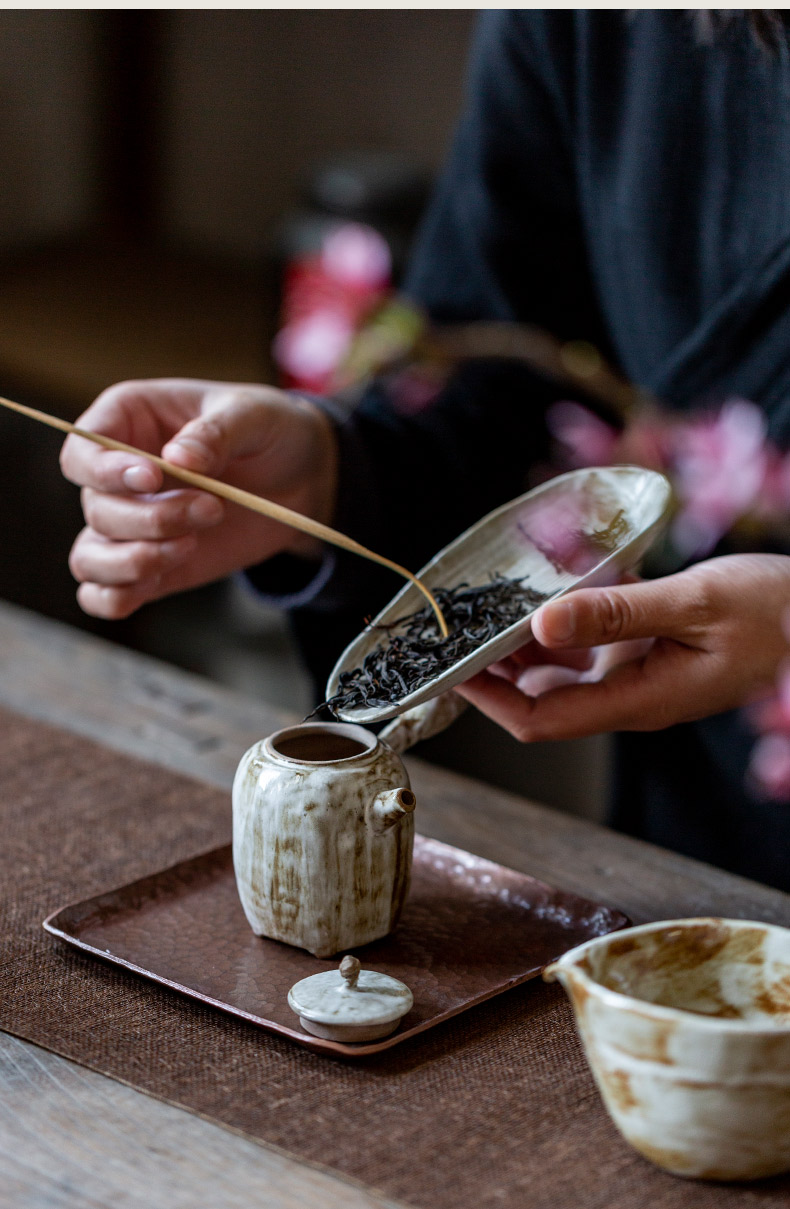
{"x": 317, "y": 1044}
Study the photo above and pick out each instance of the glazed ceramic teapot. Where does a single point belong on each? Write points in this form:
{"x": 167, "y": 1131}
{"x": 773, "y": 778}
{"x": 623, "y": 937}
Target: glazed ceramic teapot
{"x": 323, "y": 830}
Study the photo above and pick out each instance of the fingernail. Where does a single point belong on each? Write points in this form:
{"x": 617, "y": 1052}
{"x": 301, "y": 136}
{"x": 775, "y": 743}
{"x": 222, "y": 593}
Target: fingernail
{"x": 558, "y": 621}
{"x": 197, "y": 454}
{"x": 176, "y": 550}
{"x": 206, "y": 510}
{"x": 140, "y": 478}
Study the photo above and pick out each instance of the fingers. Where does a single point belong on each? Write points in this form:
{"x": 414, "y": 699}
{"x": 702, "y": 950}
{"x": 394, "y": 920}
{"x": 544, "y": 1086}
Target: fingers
{"x": 118, "y": 577}
{"x": 564, "y": 712}
{"x": 95, "y": 559}
{"x": 500, "y": 701}
{"x": 673, "y": 607}
{"x": 148, "y": 414}
{"x": 535, "y": 681}
{"x": 89, "y": 465}
{"x": 638, "y": 695}
{"x": 534, "y": 655}
{"x": 144, "y": 538}
{"x": 198, "y": 425}
{"x": 134, "y": 412}
{"x": 671, "y": 651}
{"x": 150, "y": 518}
{"x": 114, "y": 604}
{"x": 231, "y": 425}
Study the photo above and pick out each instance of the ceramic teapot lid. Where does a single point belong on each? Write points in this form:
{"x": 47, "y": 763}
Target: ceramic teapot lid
{"x": 350, "y": 1004}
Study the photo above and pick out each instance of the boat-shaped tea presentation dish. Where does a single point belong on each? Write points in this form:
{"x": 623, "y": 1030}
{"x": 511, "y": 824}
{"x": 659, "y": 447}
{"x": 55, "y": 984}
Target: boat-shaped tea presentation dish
{"x": 581, "y": 529}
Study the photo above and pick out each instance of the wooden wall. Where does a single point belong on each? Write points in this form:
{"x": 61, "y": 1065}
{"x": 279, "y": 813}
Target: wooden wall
{"x": 221, "y": 112}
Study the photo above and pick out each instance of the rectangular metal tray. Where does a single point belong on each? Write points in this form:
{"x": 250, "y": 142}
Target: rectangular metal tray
{"x": 470, "y": 930}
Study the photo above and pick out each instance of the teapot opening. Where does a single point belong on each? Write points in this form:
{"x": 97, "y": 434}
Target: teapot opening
{"x": 320, "y": 744}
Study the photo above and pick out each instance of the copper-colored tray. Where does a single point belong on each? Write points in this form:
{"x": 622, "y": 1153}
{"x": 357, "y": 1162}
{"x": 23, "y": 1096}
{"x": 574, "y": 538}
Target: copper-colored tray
{"x": 470, "y": 930}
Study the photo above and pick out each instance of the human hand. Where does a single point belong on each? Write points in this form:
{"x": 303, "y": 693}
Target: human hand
{"x": 671, "y": 650}
{"x": 146, "y": 536}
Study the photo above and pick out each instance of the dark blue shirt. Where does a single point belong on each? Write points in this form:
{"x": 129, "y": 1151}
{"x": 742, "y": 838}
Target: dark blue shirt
{"x": 618, "y": 179}
{"x": 613, "y": 178}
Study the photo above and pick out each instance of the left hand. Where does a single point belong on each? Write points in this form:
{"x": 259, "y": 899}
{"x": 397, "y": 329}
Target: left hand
{"x": 673, "y": 650}
{"x": 144, "y": 539}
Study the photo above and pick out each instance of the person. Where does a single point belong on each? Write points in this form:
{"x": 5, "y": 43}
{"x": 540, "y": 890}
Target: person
{"x": 616, "y": 177}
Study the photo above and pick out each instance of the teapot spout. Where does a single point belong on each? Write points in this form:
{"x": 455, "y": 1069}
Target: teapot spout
{"x": 390, "y": 808}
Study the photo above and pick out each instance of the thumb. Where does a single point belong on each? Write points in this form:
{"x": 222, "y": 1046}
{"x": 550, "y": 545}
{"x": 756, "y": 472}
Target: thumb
{"x": 598, "y": 616}
{"x": 232, "y": 424}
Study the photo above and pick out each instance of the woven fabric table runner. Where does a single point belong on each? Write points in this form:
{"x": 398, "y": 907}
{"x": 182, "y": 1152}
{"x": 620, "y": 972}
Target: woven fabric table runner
{"x": 493, "y": 1108}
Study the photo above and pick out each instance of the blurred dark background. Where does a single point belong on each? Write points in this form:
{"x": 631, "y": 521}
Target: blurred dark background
{"x": 158, "y": 167}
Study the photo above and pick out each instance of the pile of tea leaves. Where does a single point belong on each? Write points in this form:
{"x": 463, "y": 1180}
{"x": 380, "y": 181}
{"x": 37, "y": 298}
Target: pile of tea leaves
{"x": 416, "y": 652}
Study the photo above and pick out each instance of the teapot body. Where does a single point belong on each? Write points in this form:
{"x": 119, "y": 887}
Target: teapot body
{"x": 323, "y": 832}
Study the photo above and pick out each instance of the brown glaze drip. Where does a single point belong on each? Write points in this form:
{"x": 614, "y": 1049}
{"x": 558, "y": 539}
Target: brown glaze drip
{"x": 316, "y": 748}
{"x": 775, "y": 999}
{"x": 673, "y": 949}
{"x": 684, "y": 953}
{"x": 618, "y": 1085}
{"x": 672, "y": 1160}
{"x": 719, "y": 1009}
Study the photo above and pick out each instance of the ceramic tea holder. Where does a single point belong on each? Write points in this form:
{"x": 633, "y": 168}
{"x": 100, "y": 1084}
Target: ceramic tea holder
{"x": 578, "y": 530}
{"x": 323, "y": 831}
{"x": 350, "y": 1004}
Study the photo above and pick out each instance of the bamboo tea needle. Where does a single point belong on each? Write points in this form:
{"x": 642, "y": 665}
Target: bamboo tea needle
{"x": 235, "y": 495}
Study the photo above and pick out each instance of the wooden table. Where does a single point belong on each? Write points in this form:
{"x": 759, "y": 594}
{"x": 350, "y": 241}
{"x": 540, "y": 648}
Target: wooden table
{"x": 70, "y": 1137}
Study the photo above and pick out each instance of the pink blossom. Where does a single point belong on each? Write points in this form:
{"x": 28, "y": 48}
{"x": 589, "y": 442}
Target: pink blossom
{"x": 327, "y": 296}
{"x": 770, "y": 765}
{"x": 310, "y": 346}
{"x": 770, "y": 761}
{"x": 724, "y": 470}
{"x": 357, "y": 256}
{"x": 774, "y": 498}
{"x": 588, "y": 440}
{"x": 719, "y": 466}
{"x": 559, "y": 528}
{"x": 774, "y": 714}
{"x": 412, "y": 392}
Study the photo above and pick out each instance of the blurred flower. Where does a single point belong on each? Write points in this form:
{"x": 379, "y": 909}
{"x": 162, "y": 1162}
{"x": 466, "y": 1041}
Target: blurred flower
{"x": 774, "y": 714}
{"x": 718, "y": 467}
{"x": 309, "y": 348}
{"x": 327, "y": 297}
{"x": 587, "y": 439}
{"x": 770, "y": 765}
{"x": 726, "y": 476}
{"x": 414, "y": 390}
{"x": 724, "y": 471}
{"x": 357, "y": 256}
{"x": 774, "y": 494}
{"x": 560, "y": 527}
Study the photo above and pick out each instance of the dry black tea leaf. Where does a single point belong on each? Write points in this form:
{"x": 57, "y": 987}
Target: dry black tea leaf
{"x": 414, "y": 651}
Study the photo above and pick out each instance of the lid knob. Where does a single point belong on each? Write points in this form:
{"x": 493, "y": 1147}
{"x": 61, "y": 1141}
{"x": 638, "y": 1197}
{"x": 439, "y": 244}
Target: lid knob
{"x": 349, "y": 969}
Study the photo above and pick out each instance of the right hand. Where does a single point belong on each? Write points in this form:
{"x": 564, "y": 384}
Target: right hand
{"x": 147, "y": 536}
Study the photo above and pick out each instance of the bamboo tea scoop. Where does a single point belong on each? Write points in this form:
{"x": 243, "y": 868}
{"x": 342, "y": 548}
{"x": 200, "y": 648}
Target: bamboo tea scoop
{"x": 256, "y": 503}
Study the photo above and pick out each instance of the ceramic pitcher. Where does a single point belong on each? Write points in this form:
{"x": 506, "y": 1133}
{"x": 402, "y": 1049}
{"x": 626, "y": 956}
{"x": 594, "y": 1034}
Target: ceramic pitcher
{"x": 323, "y": 831}
{"x": 686, "y": 1026}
